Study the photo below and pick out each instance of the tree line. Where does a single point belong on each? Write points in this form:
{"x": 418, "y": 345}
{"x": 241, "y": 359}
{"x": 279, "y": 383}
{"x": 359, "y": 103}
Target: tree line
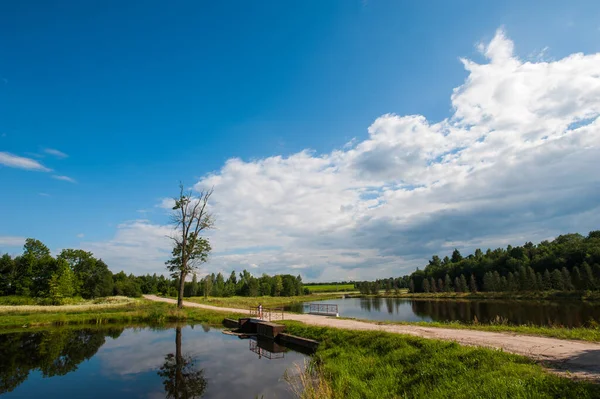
{"x": 245, "y": 284}
{"x": 388, "y": 284}
{"x": 569, "y": 262}
{"x": 77, "y": 273}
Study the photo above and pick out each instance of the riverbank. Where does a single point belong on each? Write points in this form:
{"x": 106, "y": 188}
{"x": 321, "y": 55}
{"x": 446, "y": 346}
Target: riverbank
{"x": 379, "y": 364}
{"x": 139, "y": 311}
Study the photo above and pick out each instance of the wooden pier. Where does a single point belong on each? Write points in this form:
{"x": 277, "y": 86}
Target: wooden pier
{"x": 264, "y": 330}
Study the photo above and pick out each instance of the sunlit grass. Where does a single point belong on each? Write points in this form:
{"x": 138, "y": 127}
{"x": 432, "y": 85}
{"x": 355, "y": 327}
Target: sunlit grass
{"x": 360, "y": 364}
{"x": 244, "y": 302}
{"x": 330, "y": 288}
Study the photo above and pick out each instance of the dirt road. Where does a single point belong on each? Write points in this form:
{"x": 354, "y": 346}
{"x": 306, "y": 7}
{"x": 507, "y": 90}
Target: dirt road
{"x": 579, "y": 358}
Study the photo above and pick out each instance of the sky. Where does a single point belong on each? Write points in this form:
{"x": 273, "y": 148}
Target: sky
{"x": 344, "y": 139}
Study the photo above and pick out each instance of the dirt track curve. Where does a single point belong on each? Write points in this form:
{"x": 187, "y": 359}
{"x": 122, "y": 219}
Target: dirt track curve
{"x": 580, "y": 358}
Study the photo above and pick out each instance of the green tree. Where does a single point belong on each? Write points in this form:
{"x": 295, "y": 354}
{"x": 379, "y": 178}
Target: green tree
{"x": 277, "y": 285}
{"x": 426, "y": 285}
{"x": 473, "y": 284}
{"x": 456, "y": 256}
{"x": 7, "y": 275}
{"x": 588, "y": 276}
{"x": 411, "y": 286}
{"x": 190, "y": 219}
{"x": 556, "y": 278}
{"x": 432, "y": 285}
{"x": 61, "y": 283}
{"x": 567, "y": 282}
{"x": 463, "y": 283}
{"x": 546, "y": 280}
{"x": 447, "y": 283}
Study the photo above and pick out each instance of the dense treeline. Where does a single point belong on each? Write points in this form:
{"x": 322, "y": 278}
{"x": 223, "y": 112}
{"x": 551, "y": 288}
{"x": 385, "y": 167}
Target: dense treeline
{"x": 388, "y": 284}
{"x": 245, "y": 285}
{"x": 570, "y": 262}
{"x": 77, "y": 273}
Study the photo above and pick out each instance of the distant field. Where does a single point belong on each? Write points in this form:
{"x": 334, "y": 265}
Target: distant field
{"x": 330, "y": 287}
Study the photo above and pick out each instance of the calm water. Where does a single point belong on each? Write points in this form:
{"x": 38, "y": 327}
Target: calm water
{"x": 184, "y": 362}
{"x": 541, "y": 313}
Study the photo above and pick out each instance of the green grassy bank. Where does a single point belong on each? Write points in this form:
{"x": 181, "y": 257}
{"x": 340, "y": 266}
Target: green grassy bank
{"x": 245, "y": 302}
{"x": 330, "y": 288}
{"x": 131, "y": 313}
{"x": 353, "y": 364}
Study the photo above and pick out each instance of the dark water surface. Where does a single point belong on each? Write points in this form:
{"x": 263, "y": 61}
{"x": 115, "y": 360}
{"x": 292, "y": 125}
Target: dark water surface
{"x": 182, "y": 362}
{"x": 539, "y": 313}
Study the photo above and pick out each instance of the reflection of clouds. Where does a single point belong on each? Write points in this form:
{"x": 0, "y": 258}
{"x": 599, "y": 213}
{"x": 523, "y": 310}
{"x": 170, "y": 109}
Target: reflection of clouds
{"x": 231, "y": 369}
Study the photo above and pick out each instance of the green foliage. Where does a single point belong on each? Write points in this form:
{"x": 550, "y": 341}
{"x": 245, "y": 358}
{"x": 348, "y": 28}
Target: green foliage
{"x": 523, "y": 268}
{"x": 383, "y": 365}
{"x": 61, "y": 283}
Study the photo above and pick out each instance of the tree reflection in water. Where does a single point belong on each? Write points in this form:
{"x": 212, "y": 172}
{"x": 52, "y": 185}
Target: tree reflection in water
{"x": 181, "y": 379}
{"x": 53, "y": 352}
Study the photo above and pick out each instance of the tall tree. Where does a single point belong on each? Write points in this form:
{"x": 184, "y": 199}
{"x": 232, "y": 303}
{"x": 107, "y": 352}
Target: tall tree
{"x": 190, "y": 219}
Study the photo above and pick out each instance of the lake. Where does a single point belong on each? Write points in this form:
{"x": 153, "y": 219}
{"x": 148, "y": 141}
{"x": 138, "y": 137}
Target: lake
{"x": 182, "y": 362}
{"x": 539, "y": 313}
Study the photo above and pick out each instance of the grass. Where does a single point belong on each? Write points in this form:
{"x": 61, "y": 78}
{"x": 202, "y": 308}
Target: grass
{"x": 356, "y": 364}
{"x": 28, "y": 305}
{"x": 244, "y": 302}
{"x": 330, "y": 288}
{"x": 140, "y": 311}
{"x": 590, "y": 333}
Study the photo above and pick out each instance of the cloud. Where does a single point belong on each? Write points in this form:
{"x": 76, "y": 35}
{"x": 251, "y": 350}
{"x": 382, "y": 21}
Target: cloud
{"x": 55, "y": 153}
{"x": 44, "y": 194}
{"x": 9, "y": 241}
{"x": 15, "y": 161}
{"x": 64, "y": 178}
{"x": 138, "y": 247}
{"x": 515, "y": 161}
{"x": 80, "y": 235}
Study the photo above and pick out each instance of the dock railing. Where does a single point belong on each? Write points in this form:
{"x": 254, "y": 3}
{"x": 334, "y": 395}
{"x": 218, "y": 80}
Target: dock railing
{"x": 323, "y": 309}
{"x": 269, "y": 314}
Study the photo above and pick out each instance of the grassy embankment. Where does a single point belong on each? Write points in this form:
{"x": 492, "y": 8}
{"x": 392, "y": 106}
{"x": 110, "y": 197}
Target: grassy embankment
{"x": 330, "y": 288}
{"x": 353, "y": 364}
{"x": 244, "y": 302}
{"x": 130, "y": 312}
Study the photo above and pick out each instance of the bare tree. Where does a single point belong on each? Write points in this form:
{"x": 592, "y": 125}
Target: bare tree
{"x": 190, "y": 218}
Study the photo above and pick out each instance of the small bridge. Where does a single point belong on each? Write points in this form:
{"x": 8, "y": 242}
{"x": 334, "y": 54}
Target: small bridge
{"x": 323, "y": 309}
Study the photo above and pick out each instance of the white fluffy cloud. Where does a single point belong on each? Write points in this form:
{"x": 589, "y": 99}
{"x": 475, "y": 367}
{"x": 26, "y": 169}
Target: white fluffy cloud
{"x": 516, "y": 161}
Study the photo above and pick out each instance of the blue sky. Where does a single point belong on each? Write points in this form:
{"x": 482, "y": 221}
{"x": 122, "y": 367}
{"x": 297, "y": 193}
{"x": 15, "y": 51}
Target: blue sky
{"x": 141, "y": 95}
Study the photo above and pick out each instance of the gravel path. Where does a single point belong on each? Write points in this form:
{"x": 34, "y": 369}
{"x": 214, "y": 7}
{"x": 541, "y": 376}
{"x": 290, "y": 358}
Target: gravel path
{"x": 580, "y": 359}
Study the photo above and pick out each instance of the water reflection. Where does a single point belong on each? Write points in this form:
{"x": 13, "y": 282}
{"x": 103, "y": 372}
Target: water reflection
{"x": 141, "y": 362}
{"x": 52, "y": 353}
{"x": 539, "y": 313}
{"x": 181, "y": 378}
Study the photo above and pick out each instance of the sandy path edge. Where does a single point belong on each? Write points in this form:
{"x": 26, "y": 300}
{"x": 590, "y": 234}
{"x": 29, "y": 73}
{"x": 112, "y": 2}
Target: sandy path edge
{"x": 580, "y": 359}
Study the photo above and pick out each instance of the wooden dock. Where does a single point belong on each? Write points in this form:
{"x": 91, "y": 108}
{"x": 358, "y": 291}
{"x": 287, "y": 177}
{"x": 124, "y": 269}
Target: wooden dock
{"x": 266, "y": 330}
